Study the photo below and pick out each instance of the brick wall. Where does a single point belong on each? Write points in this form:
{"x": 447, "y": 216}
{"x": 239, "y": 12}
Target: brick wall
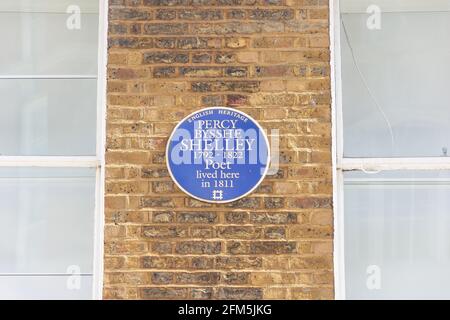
{"x": 268, "y": 58}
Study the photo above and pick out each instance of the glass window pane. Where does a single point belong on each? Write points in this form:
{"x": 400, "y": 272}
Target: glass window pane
{"x": 395, "y": 79}
{"x": 48, "y": 117}
{"x": 397, "y": 239}
{"x": 45, "y": 288}
{"x": 42, "y": 43}
{"x": 60, "y": 6}
{"x": 47, "y": 220}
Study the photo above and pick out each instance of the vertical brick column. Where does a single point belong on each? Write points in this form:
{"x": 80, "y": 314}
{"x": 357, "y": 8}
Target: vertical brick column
{"x": 268, "y": 58}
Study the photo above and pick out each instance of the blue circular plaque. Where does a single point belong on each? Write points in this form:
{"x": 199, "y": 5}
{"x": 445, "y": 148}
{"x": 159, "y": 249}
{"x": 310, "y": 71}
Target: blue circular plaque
{"x": 218, "y": 154}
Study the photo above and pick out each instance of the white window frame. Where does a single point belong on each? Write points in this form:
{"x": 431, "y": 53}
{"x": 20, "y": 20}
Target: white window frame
{"x": 97, "y": 161}
{"x": 342, "y": 164}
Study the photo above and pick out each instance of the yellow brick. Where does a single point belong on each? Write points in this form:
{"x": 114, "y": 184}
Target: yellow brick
{"x": 247, "y": 57}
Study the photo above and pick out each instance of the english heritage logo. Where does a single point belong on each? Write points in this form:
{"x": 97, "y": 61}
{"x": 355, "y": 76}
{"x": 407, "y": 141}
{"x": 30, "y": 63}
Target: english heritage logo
{"x": 218, "y": 155}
